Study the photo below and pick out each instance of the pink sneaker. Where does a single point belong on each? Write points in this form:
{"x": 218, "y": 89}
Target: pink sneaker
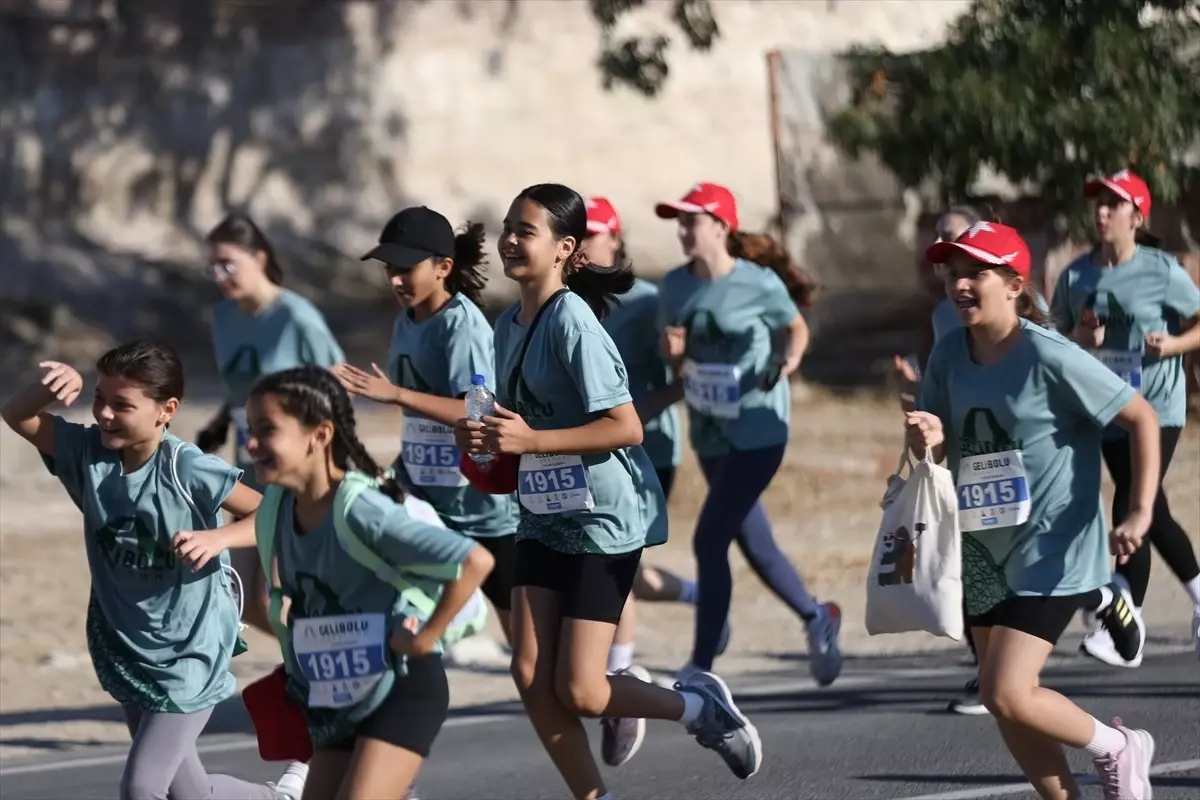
{"x": 1126, "y": 775}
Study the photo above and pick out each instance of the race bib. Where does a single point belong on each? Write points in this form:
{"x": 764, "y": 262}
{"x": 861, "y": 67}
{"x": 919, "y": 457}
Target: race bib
{"x": 713, "y": 389}
{"x": 993, "y": 491}
{"x": 342, "y": 657}
{"x": 429, "y": 453}
{"x": 553, "y": 484}
{"x": 1125, "y": 363}
{"x": 242, "y": 436}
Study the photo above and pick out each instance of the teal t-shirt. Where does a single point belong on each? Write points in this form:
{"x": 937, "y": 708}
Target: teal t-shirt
{"x": 571, "y": 374}
{"x": 1150, "y": 293}
{"x": 730, "y": 325}
{"x": 946, "y": 319}
{"x": 438, "y": 356}
{"x": 633, "y": 326}
{"x": 324, "y": 581}
{"x": 160, "y": 635}
{"x": 1025, "y": 433}
{"x": 288, "y": 333}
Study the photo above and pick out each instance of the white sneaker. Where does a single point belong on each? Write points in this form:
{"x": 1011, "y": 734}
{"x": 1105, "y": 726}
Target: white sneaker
{"x": 824, "y": 655}
{"x": 620, "y": 739}
{"x": 291, "y": 783}
{"x": 969, "y": 703}
{"x": 687, "y": 672}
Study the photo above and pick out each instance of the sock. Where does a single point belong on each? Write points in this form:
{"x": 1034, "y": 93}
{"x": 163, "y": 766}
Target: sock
{"x": 693, "y": 704}
{"x": 620, "y": 656}
{"x": 1193, "y": 589}
{"x": 1105, "y": 740}
{"x": 687, "y": 592}
{"x": 1106, "y": 598}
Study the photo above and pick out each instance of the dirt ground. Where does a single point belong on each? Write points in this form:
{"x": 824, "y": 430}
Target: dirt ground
{"x": 824, "y": 503}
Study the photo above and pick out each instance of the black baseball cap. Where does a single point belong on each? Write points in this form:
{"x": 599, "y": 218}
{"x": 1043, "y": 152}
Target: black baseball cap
{"x": 412, "y": 236}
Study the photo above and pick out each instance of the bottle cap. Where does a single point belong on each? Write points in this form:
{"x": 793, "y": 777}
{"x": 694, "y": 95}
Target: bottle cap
{"x": 477, "y": 380}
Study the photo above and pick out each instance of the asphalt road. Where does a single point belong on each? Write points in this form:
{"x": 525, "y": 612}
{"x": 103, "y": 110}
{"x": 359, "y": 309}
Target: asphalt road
{"x": 880, "y": 732}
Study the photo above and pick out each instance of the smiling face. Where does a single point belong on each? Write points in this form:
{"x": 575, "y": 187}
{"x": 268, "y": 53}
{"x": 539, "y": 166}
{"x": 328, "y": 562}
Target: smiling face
{"x": 981, "y": 294}
{"x": 285, "y": 452}
{"x": 415, "y": 286}
{"x": 529, "y": 250}
{"x": 127, "y": 416}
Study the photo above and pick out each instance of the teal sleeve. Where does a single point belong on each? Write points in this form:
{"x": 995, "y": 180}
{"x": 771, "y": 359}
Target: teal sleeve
{"x": 932, "y": 397}
{"x": 207, "y": 478}
{"x": 1060, "y": 305}
{"x": 73, "y": 445}
{"x": 468, "y": 352}
{"x": 318, "y": 347}
{"x": 596, "y": 368}
{"x": 1183, "y": 296}
{"x": 405, "y": 543}
{"x": 1093, "y": 390}
{"x": 778, "y": 307}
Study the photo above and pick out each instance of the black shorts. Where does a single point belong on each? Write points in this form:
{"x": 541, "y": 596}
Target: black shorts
{"x": 666, "y": 478}
{"x": 413, "y": 712}
{"x": 590, "y": 586}
{"x": 498, "y": 585}
{"x": 1043, "y": 617}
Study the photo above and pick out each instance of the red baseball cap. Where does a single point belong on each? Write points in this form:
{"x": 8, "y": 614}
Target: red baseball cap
{"x": 704, "y": 198}
{"x": 602, "y": 217}
{"x": 1125, "y": 185}
{"x": 989, "y": 243}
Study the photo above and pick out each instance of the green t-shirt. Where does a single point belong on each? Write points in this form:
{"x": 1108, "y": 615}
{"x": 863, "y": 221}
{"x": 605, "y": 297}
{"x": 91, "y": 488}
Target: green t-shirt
{"x": 160, "y": 635}
{"x": 571, "y": 374}
{"x": 438, "y": 356}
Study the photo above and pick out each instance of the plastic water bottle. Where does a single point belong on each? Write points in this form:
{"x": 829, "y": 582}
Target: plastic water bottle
{"x": 480, "y": 403}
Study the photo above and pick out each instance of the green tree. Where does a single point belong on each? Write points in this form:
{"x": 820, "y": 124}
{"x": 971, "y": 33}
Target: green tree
{"x": 640, "y": 62}
{"x": 1044, "y": 92}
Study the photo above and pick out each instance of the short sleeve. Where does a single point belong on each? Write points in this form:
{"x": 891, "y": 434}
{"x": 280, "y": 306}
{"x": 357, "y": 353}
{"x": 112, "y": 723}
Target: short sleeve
{"x": 72, "y": 447}
{"x": 1183, "y": 296}
{"x": 1060, "y": 304}
{"x": 468, "y": 351}
{"x": 933, "y": 397}
{"x": 778, "y": 307}
{"x": 318, "y": 347}
{"x": 406, "y": 543}
{"x": 1093, "y": 390}
{"x": 596, "y": 367}
{"x": 207, "y": 478}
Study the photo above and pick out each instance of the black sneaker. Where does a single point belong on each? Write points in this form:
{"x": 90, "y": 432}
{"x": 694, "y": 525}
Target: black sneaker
{"x": 968, "y": 702}
{"x": 1122, "y": 622}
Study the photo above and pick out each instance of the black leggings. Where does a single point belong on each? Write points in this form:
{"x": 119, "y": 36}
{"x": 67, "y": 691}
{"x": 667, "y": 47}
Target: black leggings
{"x": 1170, "y": 540}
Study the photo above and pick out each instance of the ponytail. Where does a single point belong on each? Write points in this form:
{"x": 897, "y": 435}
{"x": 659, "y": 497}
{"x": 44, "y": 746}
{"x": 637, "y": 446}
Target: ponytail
{"x": 313, "y": 395}
{"x": 466, "y": 277}
{"x": 767, "y": 252}
{"x": 597, "y": 285}
{"x": 1028, "y": 307}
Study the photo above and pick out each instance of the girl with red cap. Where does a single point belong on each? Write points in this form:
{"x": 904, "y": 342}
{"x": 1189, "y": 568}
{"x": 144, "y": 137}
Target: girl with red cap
{"x": 1128, "y": 304}
{"x": 733, "y": 335}
{"x": 1018, "y": 411}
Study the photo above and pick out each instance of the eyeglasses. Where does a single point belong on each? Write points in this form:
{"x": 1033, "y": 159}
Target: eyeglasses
{"x": 223, "y": 269}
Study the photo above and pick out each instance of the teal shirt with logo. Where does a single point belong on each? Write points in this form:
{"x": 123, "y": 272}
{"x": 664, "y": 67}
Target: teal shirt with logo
{"x": 160, "y": 635}
{"x": 633, "y": 325}
{"x": 731, "y": 323}
{"x": 1046, "y": 402}
{"x": 1150, "y": 293}
{"x": 323, "y": 580}
{"x": 288, "y": 333}
{"x": 572, "y": 373}
{"x": 438, "y": 356}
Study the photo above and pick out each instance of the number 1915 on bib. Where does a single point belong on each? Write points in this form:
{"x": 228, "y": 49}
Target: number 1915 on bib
{"x": 994, "y": 503}
{"x": 553, "y": 484}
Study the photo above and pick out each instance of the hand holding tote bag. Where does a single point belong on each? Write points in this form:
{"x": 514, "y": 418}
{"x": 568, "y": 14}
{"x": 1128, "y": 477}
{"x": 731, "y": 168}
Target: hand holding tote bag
{"x": 915, "y": 580}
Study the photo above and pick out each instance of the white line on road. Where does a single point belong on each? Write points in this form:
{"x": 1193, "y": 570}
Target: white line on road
{"x": 1000, "y": 789}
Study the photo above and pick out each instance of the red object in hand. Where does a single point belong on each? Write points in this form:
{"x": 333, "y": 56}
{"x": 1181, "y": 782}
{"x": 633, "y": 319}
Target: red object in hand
{"x": 279, "y": 722}
{"x": 498, "y": 476}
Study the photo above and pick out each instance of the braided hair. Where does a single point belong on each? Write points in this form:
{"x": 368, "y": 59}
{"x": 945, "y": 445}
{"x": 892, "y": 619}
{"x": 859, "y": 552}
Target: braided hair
{"x": 313, "y": 395}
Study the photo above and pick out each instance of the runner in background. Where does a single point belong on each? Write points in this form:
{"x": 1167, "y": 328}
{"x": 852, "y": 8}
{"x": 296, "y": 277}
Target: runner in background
{"x": 1129, "y": 305}
{"x": 733, "y": 332}
{"x": 370, "y": 735}
{"x": 590, "y": 501}
{"x": 632, "y": 322}
{"x": 258, "y": 328}
{"x": 145, "y": 495}
{"x": 1018, "y": 412}
{"x": 439, "y": 341}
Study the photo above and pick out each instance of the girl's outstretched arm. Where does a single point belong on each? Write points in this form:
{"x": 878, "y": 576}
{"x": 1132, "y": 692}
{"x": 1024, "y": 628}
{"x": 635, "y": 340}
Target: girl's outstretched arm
{"x": 25, "y": 412}
{"x": 474, "y": 569}
{"x": 200, "y": 547}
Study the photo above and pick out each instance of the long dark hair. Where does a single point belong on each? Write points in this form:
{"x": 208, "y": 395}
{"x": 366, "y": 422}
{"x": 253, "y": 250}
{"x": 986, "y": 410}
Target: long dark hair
{"x": 567, "y": 213}
{"x": 239, "y": 230}
{"x": 467, "y": 275}
{"x": 766, "y": 251}
{"x": 312, "y": 395}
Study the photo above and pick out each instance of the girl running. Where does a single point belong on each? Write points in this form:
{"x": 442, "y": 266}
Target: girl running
{"x": 1127, "y": 304}
{"x": 590, "y": 501}
{"x": 259, "y": 328}
{"x": 369, "y": 734}
{"x": 439, "y": 341}
{"x": 732, "y": 331}
{"x": 160, "y": 634}
{"x": 1018, "y": 412}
